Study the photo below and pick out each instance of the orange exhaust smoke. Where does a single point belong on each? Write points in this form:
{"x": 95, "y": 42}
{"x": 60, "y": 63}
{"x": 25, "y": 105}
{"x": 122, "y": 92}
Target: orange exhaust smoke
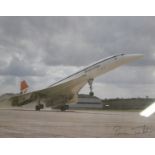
{"x": 23, "y": 87}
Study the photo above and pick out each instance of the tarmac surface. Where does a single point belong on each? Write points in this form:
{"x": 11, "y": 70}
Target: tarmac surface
{"x": 74, "y": 123}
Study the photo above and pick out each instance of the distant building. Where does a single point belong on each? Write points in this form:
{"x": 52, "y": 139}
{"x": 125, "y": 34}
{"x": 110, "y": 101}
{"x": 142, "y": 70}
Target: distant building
{"x": 87, "y": 102}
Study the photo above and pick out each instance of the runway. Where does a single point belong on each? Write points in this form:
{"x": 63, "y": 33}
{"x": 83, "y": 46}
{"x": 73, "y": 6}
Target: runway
{"x": 75, "y": 123}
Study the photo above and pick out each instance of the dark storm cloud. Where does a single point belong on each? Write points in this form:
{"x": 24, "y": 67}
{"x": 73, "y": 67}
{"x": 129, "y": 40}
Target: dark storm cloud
{"x": 30, "y": 46}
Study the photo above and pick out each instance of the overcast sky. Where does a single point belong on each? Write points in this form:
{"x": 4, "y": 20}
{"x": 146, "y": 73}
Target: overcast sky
{"x": 42, "y": 50}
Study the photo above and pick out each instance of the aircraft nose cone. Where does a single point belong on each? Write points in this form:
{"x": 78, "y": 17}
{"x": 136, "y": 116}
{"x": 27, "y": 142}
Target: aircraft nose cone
{"x": 134, "y": 56}
{"x": 131, "y": 57}
{"x": 138, "y": 56}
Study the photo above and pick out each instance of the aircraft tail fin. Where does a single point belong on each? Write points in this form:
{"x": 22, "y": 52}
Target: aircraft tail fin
{"x": 23, "y": 87}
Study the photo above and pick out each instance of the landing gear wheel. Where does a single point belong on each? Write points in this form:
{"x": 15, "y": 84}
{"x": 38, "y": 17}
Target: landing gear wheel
{"x": 39, "y": 106}
{"x": 91, "y": 93}
{"x": 64, "y": 108}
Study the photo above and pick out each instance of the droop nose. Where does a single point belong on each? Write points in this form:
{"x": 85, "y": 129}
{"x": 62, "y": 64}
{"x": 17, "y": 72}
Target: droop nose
{"x": 133, "y": 57}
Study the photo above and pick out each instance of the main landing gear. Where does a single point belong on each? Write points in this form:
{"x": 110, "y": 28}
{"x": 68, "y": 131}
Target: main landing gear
{"x": 90, "y": 82}
{"x": 39, "y": 106}
{"x": 64, "y": 108}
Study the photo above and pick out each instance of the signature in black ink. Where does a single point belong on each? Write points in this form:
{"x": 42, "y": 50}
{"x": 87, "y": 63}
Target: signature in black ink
{"x": 120, "y": 130}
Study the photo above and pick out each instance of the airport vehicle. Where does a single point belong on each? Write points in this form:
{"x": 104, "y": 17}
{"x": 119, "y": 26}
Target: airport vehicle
{"x": 66, "y": 90}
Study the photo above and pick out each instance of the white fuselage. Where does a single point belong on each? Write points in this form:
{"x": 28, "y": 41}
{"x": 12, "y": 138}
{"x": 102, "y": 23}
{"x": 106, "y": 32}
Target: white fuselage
{"x": 67, "y": 89}
{"x": 100, "y": 67}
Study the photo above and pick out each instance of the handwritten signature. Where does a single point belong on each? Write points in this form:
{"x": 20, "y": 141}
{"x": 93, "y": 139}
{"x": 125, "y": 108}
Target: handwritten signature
{"x": 120, "y": 130}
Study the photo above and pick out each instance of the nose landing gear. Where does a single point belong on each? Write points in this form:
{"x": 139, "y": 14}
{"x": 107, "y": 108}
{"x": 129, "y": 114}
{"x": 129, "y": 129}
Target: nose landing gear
{"x": 90, "y": 82}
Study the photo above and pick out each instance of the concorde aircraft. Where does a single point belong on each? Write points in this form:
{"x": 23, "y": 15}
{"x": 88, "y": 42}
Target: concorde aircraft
{"x": 65, "y": 91}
